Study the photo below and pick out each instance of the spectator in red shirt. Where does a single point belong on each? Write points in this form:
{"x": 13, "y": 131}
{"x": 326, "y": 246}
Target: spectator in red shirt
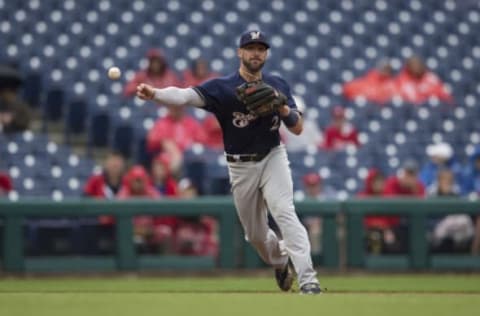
{"x": 374, "y": 187}
{"x": 213, "y": 133}
{"x": 195, "y": 235}
{"x": 181, "y": 129}
{"x": 416, "y": 84}
{"x": 157, "y": 74}
{"x": 162, "y": 177}
{"x": 5, "y": 184}
{"x": 107, "y": 183}
{"x": 197, "y": 73}
{"x": 152, "y": 233}
{"x": 380, "y": 229}
{"x": 406, "y": 182}
{"x": 377, "y": 85}
{"x": 137, "y": 183}
{"x": 340, "y": 133}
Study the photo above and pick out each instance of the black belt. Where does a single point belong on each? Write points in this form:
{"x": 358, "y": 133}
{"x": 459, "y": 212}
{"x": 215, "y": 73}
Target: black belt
{"x": 245, "y": 158}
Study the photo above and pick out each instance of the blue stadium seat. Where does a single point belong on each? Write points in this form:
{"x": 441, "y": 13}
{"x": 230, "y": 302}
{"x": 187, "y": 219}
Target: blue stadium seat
{"x": 32, "y": 89}
{"x": 76, "y": 117}
{"x": 123, "y": 137}
{"x": 99, "y": 130}
{"x": 54, "y": 104}
{"x": 332, "y": 40}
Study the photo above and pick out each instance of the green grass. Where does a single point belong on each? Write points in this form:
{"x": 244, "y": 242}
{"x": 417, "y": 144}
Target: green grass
{"x": 246, "y": 296}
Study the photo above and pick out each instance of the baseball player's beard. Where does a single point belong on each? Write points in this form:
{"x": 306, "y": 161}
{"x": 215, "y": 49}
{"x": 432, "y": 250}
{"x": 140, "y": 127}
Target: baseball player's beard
{"x": 251, "y": 67}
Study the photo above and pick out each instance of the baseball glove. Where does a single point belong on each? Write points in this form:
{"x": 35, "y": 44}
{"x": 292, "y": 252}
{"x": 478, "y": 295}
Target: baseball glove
{"x": 260, "y": 98}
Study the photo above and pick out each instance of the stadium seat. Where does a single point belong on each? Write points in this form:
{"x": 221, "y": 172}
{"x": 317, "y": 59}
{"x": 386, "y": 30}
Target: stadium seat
{"x": 122, "y": 140}
{"x": 32, "y": 89}
{"x": 76, "y": 117}
{"x": 54, "y": 104}
{"x": 329, "y": 42}
{"x": 99, "y": 130}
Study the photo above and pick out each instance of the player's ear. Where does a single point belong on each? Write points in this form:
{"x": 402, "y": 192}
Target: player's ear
{"x": 239, "y": 52}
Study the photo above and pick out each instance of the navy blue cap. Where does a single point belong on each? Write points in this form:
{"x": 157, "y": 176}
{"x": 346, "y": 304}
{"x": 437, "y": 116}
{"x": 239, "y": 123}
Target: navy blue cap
{"x": 250, "y": 37}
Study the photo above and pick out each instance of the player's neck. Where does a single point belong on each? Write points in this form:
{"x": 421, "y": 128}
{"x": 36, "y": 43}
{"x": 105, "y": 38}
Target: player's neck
{"x": 248, "y": 76}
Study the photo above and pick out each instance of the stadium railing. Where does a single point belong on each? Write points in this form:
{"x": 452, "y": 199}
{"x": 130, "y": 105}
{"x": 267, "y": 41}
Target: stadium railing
{"x": 417, "y": 213}
{"x": 231, "y": 255}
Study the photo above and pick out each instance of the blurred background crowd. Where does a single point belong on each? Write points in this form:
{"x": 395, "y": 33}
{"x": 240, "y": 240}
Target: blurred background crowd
{"x": 389, "y": 91}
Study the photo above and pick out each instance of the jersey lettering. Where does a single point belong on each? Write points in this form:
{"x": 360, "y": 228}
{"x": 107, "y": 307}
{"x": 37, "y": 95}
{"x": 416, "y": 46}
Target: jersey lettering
{"x": 242, "y": 120}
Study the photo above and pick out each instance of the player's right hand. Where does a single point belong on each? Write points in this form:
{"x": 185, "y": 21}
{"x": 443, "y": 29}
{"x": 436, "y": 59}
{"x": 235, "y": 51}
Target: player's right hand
{"x": 145, "y": 91}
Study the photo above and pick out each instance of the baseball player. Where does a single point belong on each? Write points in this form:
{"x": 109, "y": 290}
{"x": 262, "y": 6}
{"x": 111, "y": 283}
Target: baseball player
{"x": 250, "y": 106}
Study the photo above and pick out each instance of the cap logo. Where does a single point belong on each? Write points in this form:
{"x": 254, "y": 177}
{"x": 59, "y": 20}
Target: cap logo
{"x": 254, "y": 35}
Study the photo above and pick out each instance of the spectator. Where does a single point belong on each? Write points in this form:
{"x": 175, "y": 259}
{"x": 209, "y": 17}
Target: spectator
{"x": 373, "y": 188}
{"x": 416, "y": 84}
{"x": 213, "y": 131}
{"x": 315, "y": 189}
{"x": 452, "y": 233}
{"x": 151, "y": 234}
{"x": 137, "y": 183}
{"x": 5, "y": 184}
{"x": 476, "y": 238}
{"x": 471, "y": 186}
{"x": 157, "y": 74}
{"x": 377, "y": 85}
{"x": 406, "y": 182}
{"x": 441, "y": 156}
{"x": 183, "y": 130}
{"x": 15, "y": 114}
{"x": 195, "y": 235}
{"x": 162, "y": 177}
{"x": 381, "y": 230}
{"x": 107, "y": 183}
{"x": 340, "y": 133}
{"x": 444, "y": 184}
{"x": 374, "y": 184}
{"x": 310, "y": 136}
{"x": 187, "y": 190}
{"x": 471, "y": 174}
{"x": 198, "y": 73}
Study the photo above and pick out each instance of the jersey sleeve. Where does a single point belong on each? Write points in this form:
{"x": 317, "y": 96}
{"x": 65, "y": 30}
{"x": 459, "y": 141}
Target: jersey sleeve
{"x": 285, "y": 89}
{"x": 210, "y": 92}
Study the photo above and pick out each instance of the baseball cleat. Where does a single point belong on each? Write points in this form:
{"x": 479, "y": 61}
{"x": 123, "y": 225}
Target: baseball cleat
{"x": 284, "y": 276}
{"x": 311, "y": 289}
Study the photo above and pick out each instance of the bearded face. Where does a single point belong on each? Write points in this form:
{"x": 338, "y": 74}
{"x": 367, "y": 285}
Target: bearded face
{"x": 253, "y": 64}
{"x": 253, "y": 57}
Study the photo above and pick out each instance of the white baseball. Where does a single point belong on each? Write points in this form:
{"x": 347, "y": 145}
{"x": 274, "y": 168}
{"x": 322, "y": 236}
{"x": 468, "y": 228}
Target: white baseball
{"x": 114, "y": 73}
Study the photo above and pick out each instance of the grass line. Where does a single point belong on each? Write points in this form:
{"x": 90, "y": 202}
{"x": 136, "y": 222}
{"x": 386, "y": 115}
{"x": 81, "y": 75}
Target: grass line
{"x": 365, "y": 292}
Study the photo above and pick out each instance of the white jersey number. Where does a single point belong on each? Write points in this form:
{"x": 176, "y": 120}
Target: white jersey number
{"x": 275, "y": 123}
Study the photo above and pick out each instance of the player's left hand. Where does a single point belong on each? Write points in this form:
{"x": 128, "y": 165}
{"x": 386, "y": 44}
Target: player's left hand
{"x": 260, "y": 98}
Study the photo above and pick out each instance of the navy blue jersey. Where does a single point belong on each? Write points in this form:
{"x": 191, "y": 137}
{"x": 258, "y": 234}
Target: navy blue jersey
{"x": 243, "y": 132}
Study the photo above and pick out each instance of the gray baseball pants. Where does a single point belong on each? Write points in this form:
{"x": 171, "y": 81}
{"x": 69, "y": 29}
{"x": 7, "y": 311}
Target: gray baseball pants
{"x": 258, "y": 186}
